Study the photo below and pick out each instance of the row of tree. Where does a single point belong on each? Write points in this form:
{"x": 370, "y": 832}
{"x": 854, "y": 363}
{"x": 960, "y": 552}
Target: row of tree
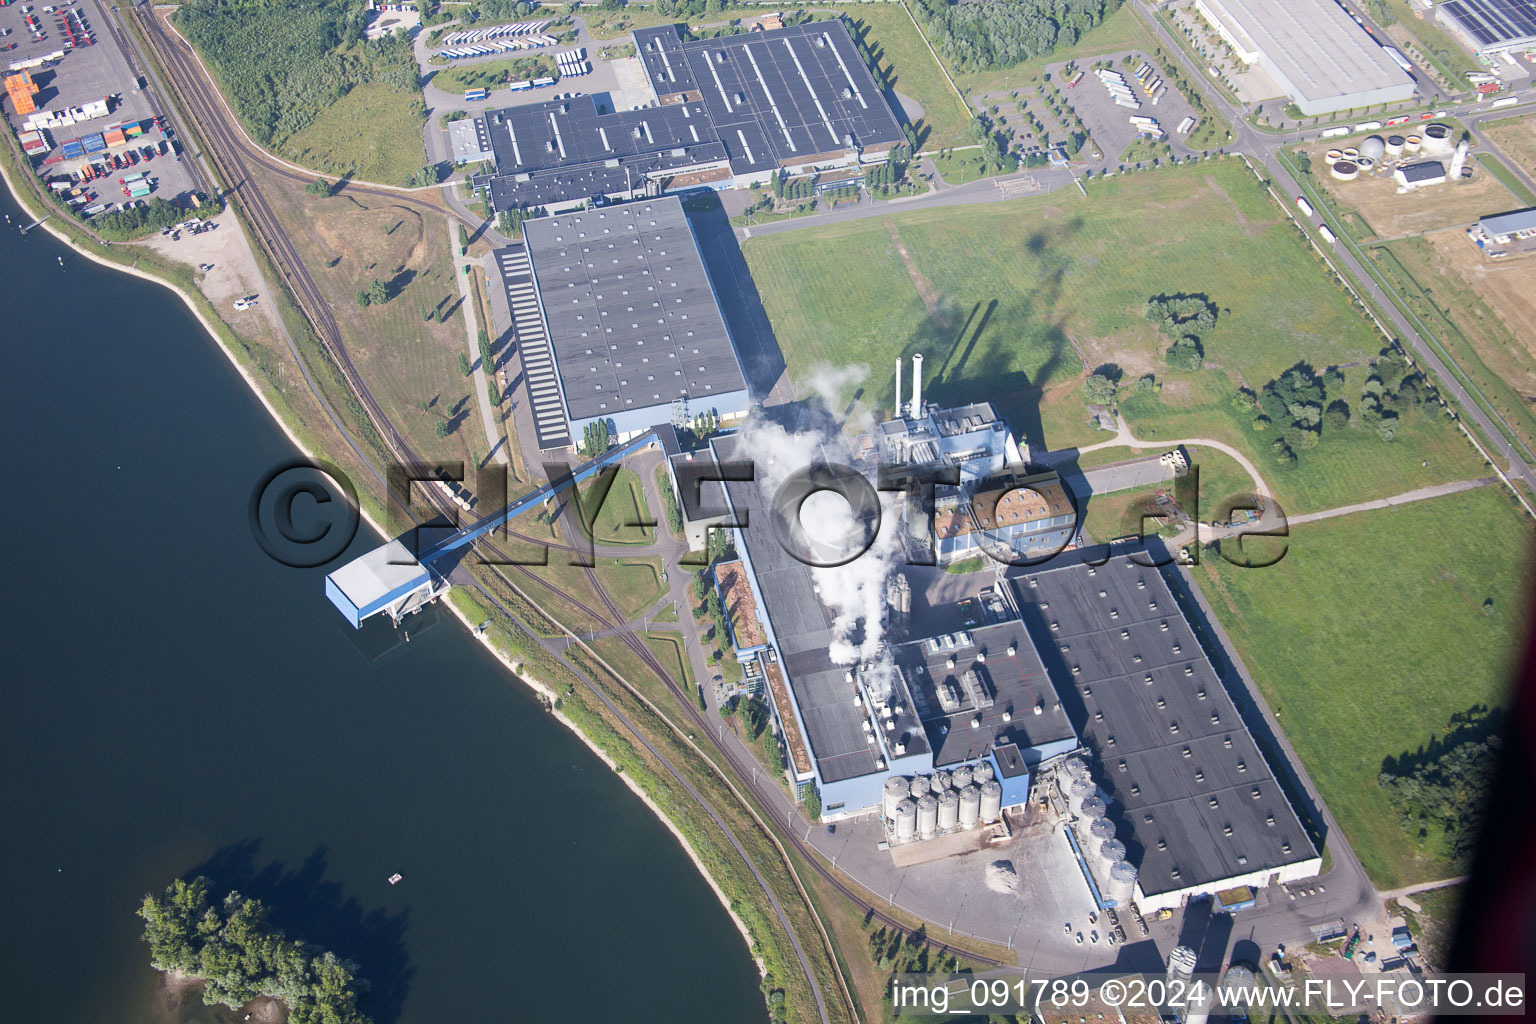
{"x": 1002, "y": 33}
{"x": 241, "y": 956}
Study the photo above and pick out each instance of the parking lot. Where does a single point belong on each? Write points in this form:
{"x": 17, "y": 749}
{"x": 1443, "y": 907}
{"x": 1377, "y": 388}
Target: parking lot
{"x": 87, "y": 73}
{"x": 1109, "y": 124}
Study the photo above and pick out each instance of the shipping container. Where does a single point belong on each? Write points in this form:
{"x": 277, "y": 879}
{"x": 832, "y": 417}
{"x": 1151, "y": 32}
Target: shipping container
{"x": 91, "y": 211}
{"x": 141, "y": 190}
{"x": 1333, "y": 133}
{"x": 1304, "y": 206}
{"x": 1322, "y": 229}
{"x": 1367, "y": 126}
{"x": 1505, "y": 102}
{"x": 130, "y": 179}
{"x": 115, "y": 138}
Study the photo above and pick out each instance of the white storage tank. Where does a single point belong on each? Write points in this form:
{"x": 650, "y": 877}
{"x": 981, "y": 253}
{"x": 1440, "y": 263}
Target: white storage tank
{"x": 1334, "y": 155}
{"x": 1373, "y": 147}
{"x": 895, "y": 792}
{"x": 1345, "y": 170}
{"x": 991, "y": 800}
{"x": 1101, "y": 829}
{"x": 1076, "y": 768}
{"x": 1082, "y": 790}
{"x": 927, "y": 815}
{"x": 949, "y": 809}
{"x": 1111, "y": 852}
{"x": 1122, "y": 884}
{"x": 970, "y": 806}
{"x": 982, "y": 772}
{"x": 918, "y": 786}
{"x": 1350, "y": 152}
{"x": 941, "y": 781}
{"x": 1412, "y": 144}
{"x": 1438, "y": 140}
{"x": 1093, "y": 807}
{"x": 1395, "y": 146}
{"x": 960, "y": 777}
{"x": 906, "y": 819}
{"x": 1367, "y": 165}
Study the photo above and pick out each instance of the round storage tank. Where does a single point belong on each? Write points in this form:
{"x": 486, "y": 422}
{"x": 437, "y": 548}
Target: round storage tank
{"x": 906, "y": 819}
{"x": 1093, "y": 807}
{"x": 1075, "y": 768}
{"x": 894, "y": 793}
{"x": 940, "y": 781}
{"x": 1395, "y": 145}
{"x": 1412, "y": 144}
{"x": 960, "y": 777}
{"x": 1366, "y": 164}
{"x": 927, "y": 815}
{"x": 1101, "y": 829}
{"x": 1350, "y": 152}
{"x": 1112, "y": 852}
{"x": 970, "y": 806}
{"x": 949, "y": 809}
{"x": 991, "y": 800}
{"x": 1122, "y": 884}
{"x": 1345, "y": 170}
{"x": 1334, "y": 155}
{"x": 918, "y": 786}
{"x": 1082, "y": 790}
{"x": 982, "y": 772}
{"x": 1438, "y": 140}
{"x": 1374, "y": 147}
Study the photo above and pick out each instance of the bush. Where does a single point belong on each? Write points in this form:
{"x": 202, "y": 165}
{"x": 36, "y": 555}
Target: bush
{"x": 1185, "y": 354}
{"x": 157, "y": 213}
{"x": 1100, "y": 388}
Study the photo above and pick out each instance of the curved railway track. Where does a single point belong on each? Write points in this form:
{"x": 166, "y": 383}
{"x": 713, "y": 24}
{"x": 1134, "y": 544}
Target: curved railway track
{"x": 233, "y": 154}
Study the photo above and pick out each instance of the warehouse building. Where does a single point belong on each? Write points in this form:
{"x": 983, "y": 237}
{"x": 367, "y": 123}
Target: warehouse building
{"x": 1193, "y": 803}
{"x": 1419, "y": 175}
{"x": 633, "y": 325}
{"x": 1490, "y": 28}
{"x": 1505, "y": 234}
{"x": 1313, "y": 50}
{"x": 722, "y": 113}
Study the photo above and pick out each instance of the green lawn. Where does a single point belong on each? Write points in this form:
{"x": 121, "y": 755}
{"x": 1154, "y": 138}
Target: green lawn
{"x": 1109, "y": 515}
{"x": 633, "y": 584}
{"x": 966, "y": 165}
{"x": 373, "y": 132}
{"x": 493, "y": 74}
{"x": 1016, "y": 284}
{"x": 624, "y": 508}
{"x": 1371, "y": 632}
{"x": 899, "y": 48}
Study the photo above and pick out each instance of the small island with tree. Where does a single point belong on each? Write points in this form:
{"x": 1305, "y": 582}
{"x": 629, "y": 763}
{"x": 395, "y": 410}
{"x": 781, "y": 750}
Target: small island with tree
{"x": 230, "y": 948}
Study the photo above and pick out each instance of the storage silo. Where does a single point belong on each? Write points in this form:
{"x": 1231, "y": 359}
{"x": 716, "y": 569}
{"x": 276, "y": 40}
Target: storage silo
{"x": 982, "y": 772}
{"x": 1459, "y": 160}
{"x": 918, "y": 786}
{"x": 949, "y": 809}
{"x": 1333, "y": 155}
{"x": 960, "y": 777}
{"x": 1345, "y": 170}
{"x": 1111, "y": 852}
{"x": 1350, "y": 152}
{"x": 1373, "y": 147}
{"x": 991, "y": 800}
{"x": 941, "y": 782}
{"x": 1082, "y": 790}
{"x": 970, "y": 806}
{"x": 1122, "y": 883}
{"x": 1438, "y": 140}
{"x": 1076, "y": 768}
{"x": 1093, "y": 807}
{"x": 1395, "y": 146}
{"x": 894, "y": 793}
{"x": 1412, "y": 144}
{"x": 1367, "y": 165}
{"x": 906, "y": 819}
{"x": 927, "y": 815}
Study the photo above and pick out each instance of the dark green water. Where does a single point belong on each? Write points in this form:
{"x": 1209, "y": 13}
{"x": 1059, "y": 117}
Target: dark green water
{"x": 175, "y": 700}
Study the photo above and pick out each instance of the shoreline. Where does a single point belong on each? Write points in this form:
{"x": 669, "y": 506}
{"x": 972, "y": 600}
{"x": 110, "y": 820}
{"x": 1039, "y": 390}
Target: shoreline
{"x": 532, "y": 683}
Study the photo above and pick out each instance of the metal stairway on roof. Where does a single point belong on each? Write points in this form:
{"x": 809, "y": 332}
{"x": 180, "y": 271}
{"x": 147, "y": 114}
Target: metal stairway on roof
{"x": 544, "y": 402}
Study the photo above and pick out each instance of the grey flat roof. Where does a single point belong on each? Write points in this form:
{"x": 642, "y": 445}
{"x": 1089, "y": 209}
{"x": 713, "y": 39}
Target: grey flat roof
{"x": 698, "y": 494}
{"x": 1493, "y": 23}
{"x": 802, "y": 630}
{"x": 379, "y": 574}
{"x": 469, "y": 140}
{"x": 1314, "y": 44}
{"x": 633, "y": 322}
{"x": 1016, "y": 684}
{"x": 1167, "y": 748}
{"x": 1509, "y": 223}
{"x": 1429, "y": 170}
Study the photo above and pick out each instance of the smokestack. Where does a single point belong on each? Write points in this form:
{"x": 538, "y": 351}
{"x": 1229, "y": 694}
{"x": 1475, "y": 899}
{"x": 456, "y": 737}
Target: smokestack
{"x": 898, "y": 385}
{"x": 917, "y": 385}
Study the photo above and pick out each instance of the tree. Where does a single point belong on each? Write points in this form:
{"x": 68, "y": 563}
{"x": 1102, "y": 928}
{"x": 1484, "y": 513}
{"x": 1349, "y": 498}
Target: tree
{"x": 318, "y": 187}
{"x": 378, "y": 292}
{"x": 595, "y": 439}
{"x": 441, "y": 429}
{"x": 1100, "y": 388}
{"x": 811, "y": 799}
{"x": 431, "y": 174}
{"x": 1386, "y": 427}
{"x": 464, "y": 364}
{"x": 1337, "y": 415}
{"x": 1185, "y": 354}
{"x": 493, "y": 392}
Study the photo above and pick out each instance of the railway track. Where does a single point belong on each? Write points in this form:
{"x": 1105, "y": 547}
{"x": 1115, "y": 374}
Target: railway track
{"x": 233, "y": 154}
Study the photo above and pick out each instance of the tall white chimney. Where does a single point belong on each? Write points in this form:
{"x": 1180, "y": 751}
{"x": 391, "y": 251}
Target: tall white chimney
{"x": 898, "y": 385}
{"x": 917, "y": 385}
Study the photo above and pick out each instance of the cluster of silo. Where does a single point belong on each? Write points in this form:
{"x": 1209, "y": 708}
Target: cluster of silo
{"x": 982, "y": 773}
{"x": 1093, "y": 807}
{"x": 906, "y": 818}
{"x": 1100, "y": 829}
{"x": 894, "y": 793}
{"x": 960, "y": 777}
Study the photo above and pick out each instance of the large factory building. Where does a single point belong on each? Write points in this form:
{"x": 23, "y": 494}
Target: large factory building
{"x": 635, "y": 334}
{"x": 719, "y": 113}
{"x": 1314, "y": 51}
{"x": 1491, "y": 28}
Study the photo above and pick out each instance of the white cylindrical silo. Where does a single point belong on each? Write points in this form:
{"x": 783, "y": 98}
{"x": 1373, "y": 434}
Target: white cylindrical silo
{"x": 917, "y": 385}
{"x": 941, "y": 781}
{"x": 1101, "y": 829}
{"x": 1093, "y": 807}
{"x": 1395, "y": 146}
{"x": 991, "y": 800}
{"x": 1111, "y": 852}
{"x": 1350, "y": 152}
{"x": 1438, "y": 140}
{"x": 1122, "y": 884}
{"x": 1081, "y": 790}
{"x": 949, "y": 809}
{"x": 1459, "y": 160}
{"x": 895, "y": 792}
{"x": 1366, "y": 165}
{"x": 982, "y": 772}
{"x": 1345, "y": 170}
{"x": 906, "y": 819}
{"x": 1333, "y": 155}
{"x": 1374, "y": 147}
{"x": 917, "y": 785}
{"x": 1412, "y": 144}
{"x": 927, "y": 815}
{"x": 1076, "y": 768}
{"x": 960, "y": 777}
{"x": 970, "y": 806}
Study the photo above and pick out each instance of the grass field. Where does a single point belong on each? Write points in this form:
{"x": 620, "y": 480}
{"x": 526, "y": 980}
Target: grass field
{"x": 1516, "y": 138}
{"x": 1013, "y": 301}
{"x": 1371, "y": 632}
{"x": 1112, "y": 514}
{"x": 622, "y": 512}
{"x": 493, "y": 73}
{"x": 899, "y": 48}
{"x": 1494, "y": 166}
{"x": 372, "y": 133}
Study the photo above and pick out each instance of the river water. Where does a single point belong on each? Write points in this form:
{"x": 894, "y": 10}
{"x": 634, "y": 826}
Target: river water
{"x": 176, "y": 702}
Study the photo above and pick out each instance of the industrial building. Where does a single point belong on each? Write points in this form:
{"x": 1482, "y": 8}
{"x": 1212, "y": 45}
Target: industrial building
{"x": 722, "y": 113}
{"x": 1505, "y": 234}
{"x": 634, "y": 331}
{"x": 1189, "y": 799}
{"x": 1491, "y": 28}
{"x": 1419, "y": 175}
{"x": 1313, "y": 50}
